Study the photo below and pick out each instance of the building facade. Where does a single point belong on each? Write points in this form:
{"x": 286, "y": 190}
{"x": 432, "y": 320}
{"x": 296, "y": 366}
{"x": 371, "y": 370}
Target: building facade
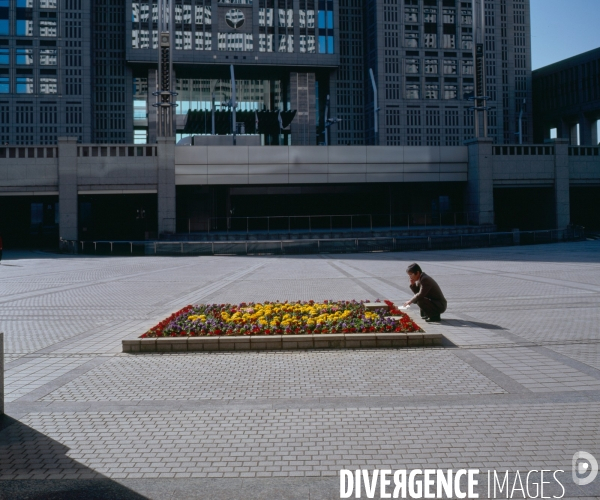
{"x": 88, "y": 69}
{"x": 567, "y": 99}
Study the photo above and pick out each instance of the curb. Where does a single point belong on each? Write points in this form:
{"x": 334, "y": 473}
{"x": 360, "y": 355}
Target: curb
{"x": 282, "y": 342}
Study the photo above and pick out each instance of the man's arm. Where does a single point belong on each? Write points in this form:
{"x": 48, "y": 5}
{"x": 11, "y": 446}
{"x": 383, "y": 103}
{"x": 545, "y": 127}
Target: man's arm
{"x": 422, "y": 291}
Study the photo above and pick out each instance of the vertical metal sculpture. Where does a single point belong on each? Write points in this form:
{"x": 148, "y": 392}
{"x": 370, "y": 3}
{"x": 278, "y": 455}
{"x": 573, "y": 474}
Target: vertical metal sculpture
{"x": 479, "y": 54}
{"x": 165, "y": 96}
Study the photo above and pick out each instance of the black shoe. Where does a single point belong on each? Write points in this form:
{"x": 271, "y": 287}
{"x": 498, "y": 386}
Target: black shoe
{"x": 433, "y": 319}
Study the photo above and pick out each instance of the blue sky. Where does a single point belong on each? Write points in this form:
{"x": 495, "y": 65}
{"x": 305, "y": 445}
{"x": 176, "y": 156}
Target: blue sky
{"x": 563, "y": 28}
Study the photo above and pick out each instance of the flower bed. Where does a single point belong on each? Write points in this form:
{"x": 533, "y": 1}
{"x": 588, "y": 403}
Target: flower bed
{"x": 282, "y": 318}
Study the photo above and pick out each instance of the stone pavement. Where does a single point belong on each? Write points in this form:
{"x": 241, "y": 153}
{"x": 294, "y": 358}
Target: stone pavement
{"x": 519, "y": 389}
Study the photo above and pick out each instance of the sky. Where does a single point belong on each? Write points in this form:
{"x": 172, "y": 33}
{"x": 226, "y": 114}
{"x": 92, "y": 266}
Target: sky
{"x": 562, "y": 29}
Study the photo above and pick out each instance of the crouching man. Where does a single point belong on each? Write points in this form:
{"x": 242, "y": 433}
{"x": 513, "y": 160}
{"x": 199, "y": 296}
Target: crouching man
{"x": 428, "y": 294}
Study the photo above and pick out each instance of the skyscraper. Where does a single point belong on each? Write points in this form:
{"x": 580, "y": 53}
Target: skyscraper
{"x": 88, "y": 69}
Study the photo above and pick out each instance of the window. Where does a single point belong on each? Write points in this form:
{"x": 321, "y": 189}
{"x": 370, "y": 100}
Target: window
{"x": 411, "y": 14}
{"x": 467, "y": 67}
{"x": 48, "y": 4}
{"x": 413, "y": 91}
{"x": 450, "y": 91}
{"x": 411, "y": 40}
{"x": 24, "y": 85}
{"x": 430, "y": 40}
{"x": 48, "y": 57}
{"x": 48, "y": 85}
{"x": 430, "y": 15}
{"x": 432, "y": 91}
{"x": 4, "y": 85}
{"x": 4, "y": 30}
{"x": 4, "y": 56}
{"x": 24, "y": 57}
{"x": 412, "y": 65}
{"x": 48, "y": 27}
{"x": 449, "y": 16}
{"x": 467, "y": 16}
{"x": 466, "y": 41}
{"x": 450, "y": 67}
{"x": 431, "y": 66}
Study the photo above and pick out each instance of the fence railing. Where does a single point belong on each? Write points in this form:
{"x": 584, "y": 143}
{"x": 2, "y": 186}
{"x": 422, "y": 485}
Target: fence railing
{"x": 325, "y": 245}
{"x": 318, "y": 223}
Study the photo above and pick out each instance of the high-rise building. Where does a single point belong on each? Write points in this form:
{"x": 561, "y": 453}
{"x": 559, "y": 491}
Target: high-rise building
{"x": 88, "y": 69}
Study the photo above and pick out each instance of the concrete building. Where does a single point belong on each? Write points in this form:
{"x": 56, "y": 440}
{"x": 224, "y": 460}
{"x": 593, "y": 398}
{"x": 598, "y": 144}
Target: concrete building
{"x": 97, "y": 167}
{"x": 567, "y": 99}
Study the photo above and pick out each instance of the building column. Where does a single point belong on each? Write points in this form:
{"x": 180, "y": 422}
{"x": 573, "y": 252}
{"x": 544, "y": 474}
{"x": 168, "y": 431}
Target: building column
{"x": 166, "y": 184}
{"x": 480, "y": 184}
{"x": 303, "y": 100}
{"x": 562, "y": 201}
{"x": 67, "y": 188}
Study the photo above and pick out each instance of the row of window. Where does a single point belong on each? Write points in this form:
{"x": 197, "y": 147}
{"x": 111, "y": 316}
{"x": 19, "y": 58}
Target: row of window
{"x": 429, "y": 90}
{"x": 26, "y": 57}
{"x": 430, "y": 66}
{"x": 27, "y": 85}
{"x": 431, "y": 40}
{"x": 24, "y": 25}
{"x": 42, "y": 4}
{"x": 310, "y": 44}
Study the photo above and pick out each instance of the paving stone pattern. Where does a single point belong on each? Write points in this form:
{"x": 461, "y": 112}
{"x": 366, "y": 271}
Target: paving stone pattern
{"x": 519, "y": 390}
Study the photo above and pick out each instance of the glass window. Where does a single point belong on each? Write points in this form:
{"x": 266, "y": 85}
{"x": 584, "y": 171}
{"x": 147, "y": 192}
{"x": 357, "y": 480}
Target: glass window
{"x": 467, "y": 16}
{"x": 4, "y": 17}
{"x": 411, "y": 14}
{"x": 48, "y": 85}
{"x": 412, "y": 65}
{"x": 48, "y": 27}
{"x": 24, "y": 27}
{"x": 466, "y": 41}
{"x": 48, "y": 4}
{"x": 24, "y": 85}
{"x": 449, "y": 16}
{"x": 450, "y": 91}
{"x": 4, "y": 56}
{"x": 411, "y": 40}
{"x": 413, "y": 91}
{"x": 24, "y": 57}
{"x": 467, "y": 67}
{"x": 430, "y": 15}
{"x": 4, "y": 85}
{"x": 432, "y": 91}
{"x": 449, "y": 41}
{"x": 431, "y": 66}
{"x": 430, "y": 40}
{"x": 450, "y": 67}
{"x": 48, "y": 57}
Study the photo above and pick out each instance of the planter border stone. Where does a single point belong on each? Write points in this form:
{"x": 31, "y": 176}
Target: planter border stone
{"x": 283, "y": 342}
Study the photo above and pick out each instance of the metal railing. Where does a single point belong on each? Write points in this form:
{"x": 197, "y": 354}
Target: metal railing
{"x": 319, "y": 223}
{"x": 328, "y": 245}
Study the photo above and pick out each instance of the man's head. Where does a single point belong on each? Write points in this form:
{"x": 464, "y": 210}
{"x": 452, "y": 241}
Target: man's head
{"x": 414, "y": 271}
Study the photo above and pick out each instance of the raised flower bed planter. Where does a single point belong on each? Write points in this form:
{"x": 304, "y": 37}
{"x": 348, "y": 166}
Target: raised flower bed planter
{"x": 276, "y": 326}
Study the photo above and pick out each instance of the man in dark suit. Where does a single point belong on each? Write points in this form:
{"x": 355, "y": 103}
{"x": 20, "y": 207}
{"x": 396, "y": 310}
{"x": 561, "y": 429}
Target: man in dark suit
{"x": 428, "y": 294}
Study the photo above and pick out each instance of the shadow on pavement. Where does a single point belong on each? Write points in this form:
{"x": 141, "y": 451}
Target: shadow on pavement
{"x": 34, "y": 466}
{"x": 470, "y": 324}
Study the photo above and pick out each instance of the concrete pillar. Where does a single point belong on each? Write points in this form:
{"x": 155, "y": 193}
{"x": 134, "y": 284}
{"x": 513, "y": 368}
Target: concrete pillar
{"x": 573, "y": 134}
{"x": 561, "y": 183}
{"x": 67, "y": 188}
{"x": 594, "y": 132}
{"x": 166, "y": 184}
{"x": 480, "y": 184}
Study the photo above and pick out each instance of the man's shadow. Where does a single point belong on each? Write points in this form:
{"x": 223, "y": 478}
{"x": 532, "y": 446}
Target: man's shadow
{"x": 26, "y": 456}
{"x": 471, "y": 324}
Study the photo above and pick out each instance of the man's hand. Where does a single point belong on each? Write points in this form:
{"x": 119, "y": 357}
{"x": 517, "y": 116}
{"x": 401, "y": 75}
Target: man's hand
{"x": 407, "y": 303}
{"x": 412, "y": 280}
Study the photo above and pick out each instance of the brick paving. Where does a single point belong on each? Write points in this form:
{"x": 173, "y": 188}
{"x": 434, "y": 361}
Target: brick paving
{"x": 520, "y": 391}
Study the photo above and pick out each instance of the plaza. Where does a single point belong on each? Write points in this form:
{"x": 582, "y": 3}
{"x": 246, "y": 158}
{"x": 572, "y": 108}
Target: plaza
{"x": 517, "y": 387}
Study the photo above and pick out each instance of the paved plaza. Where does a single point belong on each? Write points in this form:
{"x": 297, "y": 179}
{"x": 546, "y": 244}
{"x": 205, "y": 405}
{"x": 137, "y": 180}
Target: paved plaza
{"x": 517, "y": 387}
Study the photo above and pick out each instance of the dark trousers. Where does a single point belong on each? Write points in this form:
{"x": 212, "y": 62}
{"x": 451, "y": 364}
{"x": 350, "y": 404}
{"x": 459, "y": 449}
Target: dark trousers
{"x": 429, "y": 308}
